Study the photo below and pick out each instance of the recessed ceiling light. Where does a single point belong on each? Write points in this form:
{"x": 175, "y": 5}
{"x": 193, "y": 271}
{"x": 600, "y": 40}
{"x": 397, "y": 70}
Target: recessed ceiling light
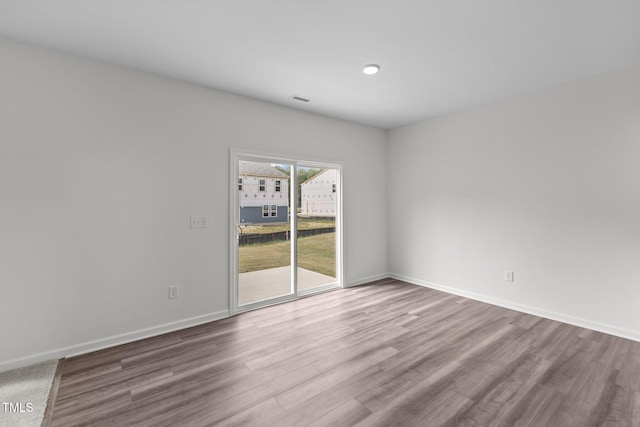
{"x": 370, "y": 69}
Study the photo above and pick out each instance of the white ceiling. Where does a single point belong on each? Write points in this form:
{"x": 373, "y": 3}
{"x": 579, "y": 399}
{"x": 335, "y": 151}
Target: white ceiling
{"x": 437, "y": 56}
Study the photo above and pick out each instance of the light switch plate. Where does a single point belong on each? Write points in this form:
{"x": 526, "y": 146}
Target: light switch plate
{"x": 198, "y": 222}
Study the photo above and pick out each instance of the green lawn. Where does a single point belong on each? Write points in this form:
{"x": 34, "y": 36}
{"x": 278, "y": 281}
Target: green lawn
{"x": 316, "y": 253}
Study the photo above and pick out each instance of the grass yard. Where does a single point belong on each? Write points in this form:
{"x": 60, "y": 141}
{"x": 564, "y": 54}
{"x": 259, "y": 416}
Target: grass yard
{"x": 316, "y": 253}
{"x": 303, "y": 224}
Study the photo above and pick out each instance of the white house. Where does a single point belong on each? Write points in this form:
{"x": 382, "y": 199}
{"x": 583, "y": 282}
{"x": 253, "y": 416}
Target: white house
{"x": 264, "y": 193}
{"x": 319, "y": 194}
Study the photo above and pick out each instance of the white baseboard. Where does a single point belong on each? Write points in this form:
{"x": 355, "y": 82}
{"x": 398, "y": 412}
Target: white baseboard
{"x": 99, "y": 344}
{"x": 564, "y": 318}
{"x": 88, "y": 347}
{"x": 128, "y": 337}
{"x": 365, "y": 280}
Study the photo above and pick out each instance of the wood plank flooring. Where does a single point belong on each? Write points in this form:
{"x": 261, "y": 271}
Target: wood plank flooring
{"x": 384, "y": 354}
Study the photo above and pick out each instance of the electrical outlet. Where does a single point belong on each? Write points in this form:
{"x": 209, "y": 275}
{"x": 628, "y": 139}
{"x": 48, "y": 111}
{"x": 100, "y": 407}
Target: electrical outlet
{"x": 173, "y": 292}
{"x": 198, "y": 222}
{"x": 508, "y": 276}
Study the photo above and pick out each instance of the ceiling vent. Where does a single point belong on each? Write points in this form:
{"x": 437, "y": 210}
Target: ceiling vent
{"x": 299, "y": 98}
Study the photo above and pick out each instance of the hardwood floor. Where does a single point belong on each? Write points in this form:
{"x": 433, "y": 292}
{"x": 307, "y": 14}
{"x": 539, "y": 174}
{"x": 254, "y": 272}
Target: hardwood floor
{"x": 383, "y": 354}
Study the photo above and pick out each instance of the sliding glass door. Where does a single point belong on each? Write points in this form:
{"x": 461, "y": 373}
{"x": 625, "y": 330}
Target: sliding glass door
{"x": 264, "y": 231}
{"x": 316, "y": 227}
{"x": 286, "y": 227}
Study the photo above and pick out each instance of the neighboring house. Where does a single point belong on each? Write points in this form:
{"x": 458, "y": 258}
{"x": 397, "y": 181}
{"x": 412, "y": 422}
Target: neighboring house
{"x": 264, "y": 193}
{"x": 319, "y": 194}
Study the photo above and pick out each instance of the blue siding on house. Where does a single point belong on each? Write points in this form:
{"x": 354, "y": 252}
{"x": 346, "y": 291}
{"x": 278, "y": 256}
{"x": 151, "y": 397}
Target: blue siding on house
{"x": 253, "y": 215}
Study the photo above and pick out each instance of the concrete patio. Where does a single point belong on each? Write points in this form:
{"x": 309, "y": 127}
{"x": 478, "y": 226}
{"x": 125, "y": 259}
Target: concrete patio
{"x": 262, "y": 284}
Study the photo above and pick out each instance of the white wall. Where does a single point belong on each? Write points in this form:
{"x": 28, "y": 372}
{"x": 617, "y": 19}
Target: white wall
{"x": 546, "y": 185}
{"x": 100, "y": 169}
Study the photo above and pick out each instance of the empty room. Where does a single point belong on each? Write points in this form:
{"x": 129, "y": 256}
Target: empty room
{"x": 325, "y": 213}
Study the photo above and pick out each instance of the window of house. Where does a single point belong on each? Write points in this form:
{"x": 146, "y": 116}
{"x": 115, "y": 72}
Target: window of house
{"x": 240, "y": 184}
{"x": 265, "y": 211}
{"x": 277, "y": 185}
{"x": 274, "y": 210}
{"x": 263, "y": 185}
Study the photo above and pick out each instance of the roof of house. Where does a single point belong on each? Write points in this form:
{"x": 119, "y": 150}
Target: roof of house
{"x": 315, "y": 176}
{"x": 260, "y": 169}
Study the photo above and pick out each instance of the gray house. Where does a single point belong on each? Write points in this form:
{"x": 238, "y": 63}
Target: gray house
{"x": 264, "y": 193}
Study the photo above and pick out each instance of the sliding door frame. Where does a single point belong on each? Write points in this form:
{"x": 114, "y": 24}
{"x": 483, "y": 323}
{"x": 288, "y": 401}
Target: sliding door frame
{"x": 235, "y": 156}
